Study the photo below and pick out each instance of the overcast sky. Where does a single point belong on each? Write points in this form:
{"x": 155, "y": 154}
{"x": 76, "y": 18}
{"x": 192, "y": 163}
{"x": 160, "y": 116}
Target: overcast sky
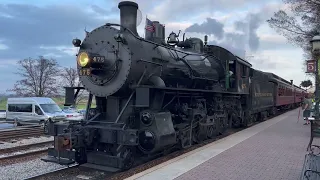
{"x": 30, "y": 28}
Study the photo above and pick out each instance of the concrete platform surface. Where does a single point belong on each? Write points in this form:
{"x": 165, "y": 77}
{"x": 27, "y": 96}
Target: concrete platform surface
{"x": 273, "y": 149}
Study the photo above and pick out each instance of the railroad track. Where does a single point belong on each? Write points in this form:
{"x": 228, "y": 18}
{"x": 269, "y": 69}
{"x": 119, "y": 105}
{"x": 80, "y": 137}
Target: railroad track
{"x": 21, "y": 132}
{"x": 29, "y": 153}
{"x": 25, "y": 147}
{"x": 24, "y": 150}
{"x": 143, "y": 165}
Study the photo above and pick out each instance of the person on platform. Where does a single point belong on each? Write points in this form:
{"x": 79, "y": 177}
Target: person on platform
{"x": 306, "y": 108}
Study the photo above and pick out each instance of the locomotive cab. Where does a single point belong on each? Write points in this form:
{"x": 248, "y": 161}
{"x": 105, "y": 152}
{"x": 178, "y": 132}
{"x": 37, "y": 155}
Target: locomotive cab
{"x": 241, "y": 82}
{"x": 236, "y": 70}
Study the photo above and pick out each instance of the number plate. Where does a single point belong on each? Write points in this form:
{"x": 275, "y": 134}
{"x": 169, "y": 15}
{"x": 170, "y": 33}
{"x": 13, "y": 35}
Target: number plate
{"x": 98, "y": 59}
{"x": 85, "y": 72}
{"x": 311, "y": 66}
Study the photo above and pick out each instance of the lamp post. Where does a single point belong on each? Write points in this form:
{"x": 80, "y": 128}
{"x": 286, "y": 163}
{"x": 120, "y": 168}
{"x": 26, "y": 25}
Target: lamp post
{"x": 315, "y": 42}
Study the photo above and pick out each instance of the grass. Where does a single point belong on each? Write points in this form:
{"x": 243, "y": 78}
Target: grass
{"x": 60, "y": 101}
{"x": 3, "y": 104}
{"x": 81, "y": 104}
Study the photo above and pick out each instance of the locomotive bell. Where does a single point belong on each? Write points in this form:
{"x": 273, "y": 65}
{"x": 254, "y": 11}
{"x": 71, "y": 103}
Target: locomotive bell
{"x": 172, "y": 39}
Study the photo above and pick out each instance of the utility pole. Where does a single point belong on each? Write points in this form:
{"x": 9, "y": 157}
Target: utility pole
{"x": 315, "y": 43}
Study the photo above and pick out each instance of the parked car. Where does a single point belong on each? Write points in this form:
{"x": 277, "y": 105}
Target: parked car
{"x": 69, "y": 108}
{"x": 73, "y": 115}
{"x": 33, "y": 109}
{"x": 2, "y": 114}
{"x": 82, "y": 111}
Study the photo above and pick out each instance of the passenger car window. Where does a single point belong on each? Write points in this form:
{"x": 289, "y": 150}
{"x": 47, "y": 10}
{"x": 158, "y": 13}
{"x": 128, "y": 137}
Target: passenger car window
{"x": 38, "y": 110}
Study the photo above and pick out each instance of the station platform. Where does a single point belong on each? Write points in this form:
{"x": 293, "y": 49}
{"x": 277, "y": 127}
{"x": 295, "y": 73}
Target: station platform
{"x": 271, "y": 150}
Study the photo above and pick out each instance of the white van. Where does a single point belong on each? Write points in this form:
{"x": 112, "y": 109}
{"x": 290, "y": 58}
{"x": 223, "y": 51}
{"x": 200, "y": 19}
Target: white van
{"x": 33, "y": 109}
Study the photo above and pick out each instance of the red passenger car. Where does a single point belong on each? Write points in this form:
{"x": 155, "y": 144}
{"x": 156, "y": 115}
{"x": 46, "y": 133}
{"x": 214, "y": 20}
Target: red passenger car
{"x": 287, "y": 94}
{"x": 299, "y": 94}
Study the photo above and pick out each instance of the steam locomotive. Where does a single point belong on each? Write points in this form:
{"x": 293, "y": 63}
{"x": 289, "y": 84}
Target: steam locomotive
{"x": 153, "y": 96}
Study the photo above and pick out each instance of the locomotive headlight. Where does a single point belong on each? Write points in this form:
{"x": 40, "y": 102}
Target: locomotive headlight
{"x": 83, "y": 59}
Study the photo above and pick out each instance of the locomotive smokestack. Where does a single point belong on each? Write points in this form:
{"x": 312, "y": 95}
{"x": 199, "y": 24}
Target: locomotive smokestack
{"x": 128, "y": 15}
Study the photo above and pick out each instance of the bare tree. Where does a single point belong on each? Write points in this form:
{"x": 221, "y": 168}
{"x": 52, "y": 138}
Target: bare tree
{"x": 301, "y": 26}
{"x": 38, "y": 77}
{"x": 70, "y": 78}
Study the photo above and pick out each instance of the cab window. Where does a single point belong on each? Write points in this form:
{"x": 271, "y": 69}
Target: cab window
{"x": 38, "y": 110}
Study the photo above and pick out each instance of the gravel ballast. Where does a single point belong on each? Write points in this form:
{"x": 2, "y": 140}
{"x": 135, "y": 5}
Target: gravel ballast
{"x": 26, "y": 169}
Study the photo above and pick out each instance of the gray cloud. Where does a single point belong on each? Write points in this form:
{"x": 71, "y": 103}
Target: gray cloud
{"x": 206, "y": 27}
{"x": 254, "y": 23}
{"x": 101, "y": 11}
{"x": 176, "y": 10}
{"x": 235, "y": 39}
{"x": 257, "y": 62}
{"x": 263, "y": 63}
{"x": 272, "y": 45}
{"x": 248, "y": 28}
{"x": 25, "y": 28}
{"x": 29, "y": 25}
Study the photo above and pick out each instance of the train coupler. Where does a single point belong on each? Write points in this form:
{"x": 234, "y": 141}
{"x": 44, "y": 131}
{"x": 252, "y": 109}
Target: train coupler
{"x": 62, "y": 152}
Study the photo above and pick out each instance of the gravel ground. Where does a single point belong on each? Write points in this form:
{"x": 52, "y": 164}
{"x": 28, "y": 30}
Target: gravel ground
{"x": 4, "y": 145}
{"x": 26, "y": 169}
{"x": 77, "y": 173}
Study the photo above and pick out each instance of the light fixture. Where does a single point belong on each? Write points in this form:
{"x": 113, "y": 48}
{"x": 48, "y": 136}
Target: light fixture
{"x": 76, "y": 42}
{"x": 83, "y": 59}
{"x": 315, "y": 42}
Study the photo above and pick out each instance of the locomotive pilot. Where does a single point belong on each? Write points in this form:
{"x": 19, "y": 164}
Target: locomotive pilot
{"x": 306, "y": 107}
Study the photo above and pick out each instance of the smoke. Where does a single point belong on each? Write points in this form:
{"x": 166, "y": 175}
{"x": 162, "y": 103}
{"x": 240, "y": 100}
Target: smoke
{"x": 254, "y": 23}
{"x": 235, "y": 42}
{"x": 206, "y": 28}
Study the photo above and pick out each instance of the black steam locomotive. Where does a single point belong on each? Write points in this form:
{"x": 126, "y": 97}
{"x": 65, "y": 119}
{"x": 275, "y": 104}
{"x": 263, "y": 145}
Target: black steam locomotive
{"x": 153, "y": 96}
